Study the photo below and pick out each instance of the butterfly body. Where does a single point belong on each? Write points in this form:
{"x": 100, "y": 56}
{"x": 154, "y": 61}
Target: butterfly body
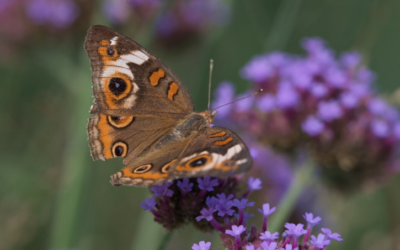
{"x": 143, "y": 112}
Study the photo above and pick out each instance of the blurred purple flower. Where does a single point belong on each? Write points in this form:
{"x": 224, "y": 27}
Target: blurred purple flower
{"x": 60, "y": 13}
{"x": 319, "y": 242}
{"x": 117, "y": 11}
{"x": 201, "y": 246}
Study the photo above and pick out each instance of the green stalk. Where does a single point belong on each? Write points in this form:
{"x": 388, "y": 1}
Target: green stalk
{"x": 75, "y": 158}
{"x": 283, "y": 25}
{"x": 164, "y": 242}
{"x": 302, "y": 179}
{"x": 147, "y": 227}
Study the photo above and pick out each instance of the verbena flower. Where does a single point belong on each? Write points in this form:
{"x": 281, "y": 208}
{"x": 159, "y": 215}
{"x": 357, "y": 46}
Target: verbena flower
{"x": 235, "y": 234}
{"x": 201, "y": 201}
{"x": 202, "y": 246}
{"x": 325, "y": 103}
{"x": 59, "y": 14}
{"x": 185, "y": 19}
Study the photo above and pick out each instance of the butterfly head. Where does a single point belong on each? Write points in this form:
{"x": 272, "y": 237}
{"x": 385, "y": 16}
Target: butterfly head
{"x": 209, "y": 116}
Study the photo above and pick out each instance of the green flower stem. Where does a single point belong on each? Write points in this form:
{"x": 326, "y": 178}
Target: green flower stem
{"x": 164, "y": 242}
{"x": 302, "y": 179}
{"x": 75, "y": 158}
{"x": 283, "y": 24}
{"x": 147, "y": 232}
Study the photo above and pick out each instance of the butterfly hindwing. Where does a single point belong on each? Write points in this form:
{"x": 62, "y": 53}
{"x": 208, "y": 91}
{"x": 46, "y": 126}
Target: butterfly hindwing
{"x": 215, "y": 151}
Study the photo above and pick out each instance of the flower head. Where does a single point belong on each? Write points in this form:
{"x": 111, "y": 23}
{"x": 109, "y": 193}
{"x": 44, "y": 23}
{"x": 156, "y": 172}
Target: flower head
{"x": 330, "y": 235}
{"x": 311, "y": 220}
{"x": 160, "y": 190}
{"x": 207, "y": 183}
{"x": 236, "y": 230}
{"x": 266, "y": 211}
{"x": 319, "y": 242}
{"x": 202, "y": 246}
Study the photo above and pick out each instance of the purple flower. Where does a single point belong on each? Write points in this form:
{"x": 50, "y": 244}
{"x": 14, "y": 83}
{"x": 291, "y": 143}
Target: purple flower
{"x": 117, "y": 11}
{"x": 266, "y": 211}
{"x": 242, "y": 204}
{"x": 266, "y": 103}
{"x": 251, "y": 247}
{"x": 160, "y": 190}
{"x": 377, "y": 106}
{"x": 268, "y": 236}
{"x": 207, "y": 183}
{"x": 225, "y": 93}
{"x": 318, "y": 90}
{"x": 224, "y": 208}
{"x": 59, "y": 14}
{"x": 311, "y": 220}
{"x": 206, "y": 214}
{"x": 319, "y": 242}
{"x": 268, "y": 246}
{"x": 148, "y": 204}
{"x": 312, "y": 126}
{"x": 313, "y": 44}
{"x": 258, "y": 69}
{"x": 348, "y": 100}
{"x": 289, "y": 247}
{"x": 254, "y": 183}
{"x": 223, "y": 198}
{"x": 201, "y": 246}
{"x": 236, "y": 230}
{"x": 295, "y": 230}
{"x": 330, "y": 235}
{"x": 350, "y": 59}
{"x": 286, "y": 97}
{"x": 380, "y": 128}
{"x": 329, "y": 110}
{"x": 185, "y": 185}
{"x": 211, "y": 201}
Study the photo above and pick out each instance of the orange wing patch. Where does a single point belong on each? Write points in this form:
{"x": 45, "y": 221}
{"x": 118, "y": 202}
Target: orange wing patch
{"x": 172, "y": 90}
{"x": 219, "y": 134}
{"x": 105, "y": 138}
{"x": 156, "y": 76}
{"x": 143, "y": 172}
{"x": 224, "y": 142}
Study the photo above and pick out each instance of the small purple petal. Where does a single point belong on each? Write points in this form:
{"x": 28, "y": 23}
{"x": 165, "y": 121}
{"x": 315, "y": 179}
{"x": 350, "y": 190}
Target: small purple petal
{"x": 207, "y": 183}
{"x": 242, "y": 204}
{"x": 185, "y": 185}
{"x": 254, "y": 183}
{"x": 268, "y": 236}
{"x": 319, "y": 242}
{"x": 236, "y": 230}
{"x": 160, "y": 190}
{"x": 201, "y": 246}
{"x": 206, "y": 214}
{"x": 330, "y": 235}
{"x": 148, "y": 204}
{"x": 329, "y": 110}
{"x": 266, "y": 211}
{"x": 312, "y": 126}
{"x": 311, "y": 220}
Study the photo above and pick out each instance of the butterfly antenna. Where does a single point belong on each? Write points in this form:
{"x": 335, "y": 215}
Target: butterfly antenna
{"x": 255, "y": 93}
{"x": 209, "y": 83}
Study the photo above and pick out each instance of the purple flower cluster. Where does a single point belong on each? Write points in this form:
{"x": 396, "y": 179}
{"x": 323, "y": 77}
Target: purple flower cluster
{"x": 323, "y": 103}
{"x": 56, "y": 13}
{"x": 189, "y": 18}
{"x": 182, "y": 201}
{"x": 235, "y": 236}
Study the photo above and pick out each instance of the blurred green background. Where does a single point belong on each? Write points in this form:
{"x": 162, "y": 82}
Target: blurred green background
{"x": 53, "y": 196}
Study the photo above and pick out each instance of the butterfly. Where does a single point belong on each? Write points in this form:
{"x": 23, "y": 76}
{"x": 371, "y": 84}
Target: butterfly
{"x": 143, "y": 113}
